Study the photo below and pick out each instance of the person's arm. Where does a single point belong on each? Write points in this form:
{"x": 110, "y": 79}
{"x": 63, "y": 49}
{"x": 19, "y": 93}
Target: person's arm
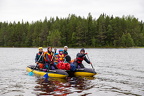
{"x": 87, "y": 60}
{"x": 80, "y": 55}
{"x": 36, "y": 58}
{"x": 52, "y": 59}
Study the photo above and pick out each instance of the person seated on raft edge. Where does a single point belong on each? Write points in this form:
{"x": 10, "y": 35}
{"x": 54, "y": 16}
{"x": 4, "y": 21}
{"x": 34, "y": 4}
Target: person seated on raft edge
{"x": 80, "y": 57}
{"x": 39, "y": 59}
{"x": 48, "y": 57}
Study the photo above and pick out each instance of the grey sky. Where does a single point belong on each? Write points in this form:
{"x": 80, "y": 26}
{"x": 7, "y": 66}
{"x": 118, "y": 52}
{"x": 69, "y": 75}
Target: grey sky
{"x": 33, "y": 10}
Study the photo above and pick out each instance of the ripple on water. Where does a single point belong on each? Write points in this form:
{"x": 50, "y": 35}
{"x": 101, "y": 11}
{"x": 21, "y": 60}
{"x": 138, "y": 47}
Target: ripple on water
{"x": 52, "y": 86}
{"x": 120, "y": 73}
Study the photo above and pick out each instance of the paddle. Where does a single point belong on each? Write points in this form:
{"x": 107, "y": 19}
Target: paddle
{"x": 31, "y": 73}
{"x": 90, "y": 64}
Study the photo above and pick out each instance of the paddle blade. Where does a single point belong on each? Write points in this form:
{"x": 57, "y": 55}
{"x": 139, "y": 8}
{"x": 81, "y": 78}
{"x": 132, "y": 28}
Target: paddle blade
{"x": 30, "y": 73}
{"x": 46, "y": 75}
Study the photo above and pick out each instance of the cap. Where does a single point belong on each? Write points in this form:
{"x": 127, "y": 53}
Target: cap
{"x": 82, "y": 50}
{"x": 56, "y": 54}
{"x": 40, "y": 48}
{"x": 65, "y": 46}
{"x": 60, "y": 50}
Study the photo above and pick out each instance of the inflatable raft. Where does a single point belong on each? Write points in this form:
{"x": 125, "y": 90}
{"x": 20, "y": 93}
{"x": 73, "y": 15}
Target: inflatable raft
{"x": 83, "y": 72}
{"x": 58, "y": 73}
{"x": 51, "y": 73}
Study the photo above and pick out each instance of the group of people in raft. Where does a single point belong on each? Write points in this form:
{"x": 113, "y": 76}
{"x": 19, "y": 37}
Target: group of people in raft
{"x": 52, "y": 60}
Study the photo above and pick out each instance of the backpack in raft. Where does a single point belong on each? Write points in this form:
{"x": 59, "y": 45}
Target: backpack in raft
{"x": 63, "y": 66}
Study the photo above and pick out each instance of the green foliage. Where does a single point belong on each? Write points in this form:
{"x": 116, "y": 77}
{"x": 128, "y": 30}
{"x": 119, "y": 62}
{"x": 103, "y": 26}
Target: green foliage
{"x": 54, "y": 38}
{"x": 126, "y": 40}
{"x": 74, "y": 31}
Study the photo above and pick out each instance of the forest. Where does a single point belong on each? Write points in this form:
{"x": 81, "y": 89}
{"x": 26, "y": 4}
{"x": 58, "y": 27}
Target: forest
{"x": 74, "y": 31}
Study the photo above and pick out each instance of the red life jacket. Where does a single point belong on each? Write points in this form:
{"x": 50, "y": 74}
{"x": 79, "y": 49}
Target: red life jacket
{"x": 48, "y": 56}
{"x": 79, "y": 59}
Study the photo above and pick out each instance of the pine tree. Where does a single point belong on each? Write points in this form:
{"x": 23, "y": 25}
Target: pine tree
{"x": 54, "y": 38}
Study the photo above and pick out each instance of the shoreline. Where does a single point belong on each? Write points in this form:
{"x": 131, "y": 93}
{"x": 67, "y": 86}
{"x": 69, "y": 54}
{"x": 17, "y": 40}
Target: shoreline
{"x": 84, "y": 47}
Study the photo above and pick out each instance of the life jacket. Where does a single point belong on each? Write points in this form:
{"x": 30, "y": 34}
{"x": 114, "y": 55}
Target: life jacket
{"x": 56, "y": 59}
{"x": 61, "y": 57}
{"x": 48, "y": 56}
{"x": 63, "y": 66}
{"x": 72, "y": 61}
{"x": 41, "y": 65}
{"x": 79, "y": 59}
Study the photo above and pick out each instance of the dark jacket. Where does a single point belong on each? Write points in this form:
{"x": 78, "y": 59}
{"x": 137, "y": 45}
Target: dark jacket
{"x": 39, "y": 58}
{"x": 65, "y": 53}
{"x": 80, "y": 57}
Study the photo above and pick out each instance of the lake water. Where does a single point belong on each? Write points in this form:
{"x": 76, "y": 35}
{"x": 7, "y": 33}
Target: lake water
{"x": 120, "y": 73}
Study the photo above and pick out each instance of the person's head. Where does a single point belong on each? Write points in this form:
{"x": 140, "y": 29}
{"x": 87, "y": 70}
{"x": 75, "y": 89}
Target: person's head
{"x": 49, "y": 49}
{"x": 60, "y": 51}
{"x": 56, "y": 54}
{"x": 68, "y": 58}
{"x": 65, "y": 48}
{"x": 40, "y": 49}
{"x": 82, "y": 51}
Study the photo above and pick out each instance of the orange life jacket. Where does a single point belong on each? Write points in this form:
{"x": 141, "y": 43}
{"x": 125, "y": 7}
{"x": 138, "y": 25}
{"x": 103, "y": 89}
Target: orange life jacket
{"x": 48, "y": 56}
{"x": 55, "y": 58}
{"x": 61, "y": 57}
{"x": 72, "y": 61}
{"x": 41, "y": 65}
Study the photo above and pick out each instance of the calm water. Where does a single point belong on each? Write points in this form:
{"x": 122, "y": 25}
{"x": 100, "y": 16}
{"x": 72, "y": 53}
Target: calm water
{"x": 120, "y": 73}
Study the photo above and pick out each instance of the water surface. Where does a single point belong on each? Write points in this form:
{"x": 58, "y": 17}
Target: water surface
{"x": 120, "y": 73}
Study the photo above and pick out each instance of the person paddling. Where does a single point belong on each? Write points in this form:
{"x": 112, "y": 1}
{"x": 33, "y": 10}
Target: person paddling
{"x": 80, "y": 57}
{"x": 39, "y": 59}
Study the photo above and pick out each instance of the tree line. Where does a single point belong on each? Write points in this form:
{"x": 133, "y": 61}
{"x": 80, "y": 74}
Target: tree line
{"x": 74, "y": 31}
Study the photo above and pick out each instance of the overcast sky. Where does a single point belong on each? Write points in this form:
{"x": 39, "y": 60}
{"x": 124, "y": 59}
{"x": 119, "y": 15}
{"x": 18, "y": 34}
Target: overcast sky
{"x": 33, "y": 10}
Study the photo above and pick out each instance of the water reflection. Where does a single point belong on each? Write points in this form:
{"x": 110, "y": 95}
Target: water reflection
{"x": 62, "y": 87}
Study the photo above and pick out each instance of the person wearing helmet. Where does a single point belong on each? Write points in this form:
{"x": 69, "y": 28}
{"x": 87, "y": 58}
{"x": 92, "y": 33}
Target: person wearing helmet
{"x": 80, "y": 57}
{"x": 39, "y": 59}
{"x": 62, "y": 63}
{"x": 60, "y": 56}
{"x": 56, "y": 58}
